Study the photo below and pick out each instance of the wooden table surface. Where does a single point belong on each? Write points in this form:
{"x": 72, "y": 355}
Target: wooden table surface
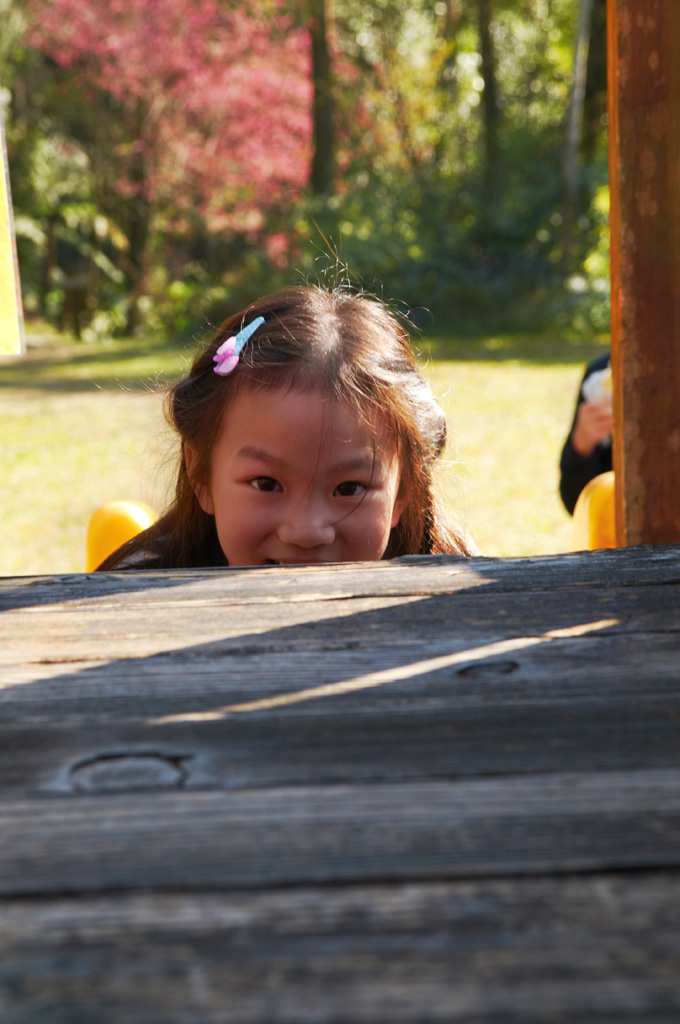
{"x": 428, "y": 790}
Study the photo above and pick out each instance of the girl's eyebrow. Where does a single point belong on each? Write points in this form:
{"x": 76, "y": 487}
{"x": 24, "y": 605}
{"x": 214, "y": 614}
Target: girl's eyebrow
{"x": 251, "y": 452}
{"x": 365, "y": 462}
{"x": 358, "y": 463}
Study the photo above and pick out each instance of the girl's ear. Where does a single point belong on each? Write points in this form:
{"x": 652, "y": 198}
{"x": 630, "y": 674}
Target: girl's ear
{"x": 201, "y": 490}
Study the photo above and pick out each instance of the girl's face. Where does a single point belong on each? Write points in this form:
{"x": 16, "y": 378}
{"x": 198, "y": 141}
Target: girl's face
{"x": 297, "y": 478}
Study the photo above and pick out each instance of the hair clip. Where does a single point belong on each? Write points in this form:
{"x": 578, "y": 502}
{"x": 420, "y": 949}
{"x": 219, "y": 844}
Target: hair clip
{"x": 227, "y": 354}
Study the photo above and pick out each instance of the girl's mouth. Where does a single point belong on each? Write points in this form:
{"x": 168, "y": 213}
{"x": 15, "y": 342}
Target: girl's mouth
{"x": 292, "y": 561}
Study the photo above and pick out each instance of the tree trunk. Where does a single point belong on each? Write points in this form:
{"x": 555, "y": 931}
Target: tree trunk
{"x": 574, "y": 126}
{"x": 595, "y": 99}
{"x": 452, "y": 17}
{"x": 322, "y": 173}
{"x": 490, "y": 108}
{"x": 48, "y": 263}
{"x": 138, "y": 228}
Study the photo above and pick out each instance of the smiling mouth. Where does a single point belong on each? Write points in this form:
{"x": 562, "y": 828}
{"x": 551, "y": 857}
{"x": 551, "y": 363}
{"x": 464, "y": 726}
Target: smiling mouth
{"x": 292, "y": 561}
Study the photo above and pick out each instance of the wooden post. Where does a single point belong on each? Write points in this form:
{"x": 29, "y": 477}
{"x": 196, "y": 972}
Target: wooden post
{"x": 644, "y": 170}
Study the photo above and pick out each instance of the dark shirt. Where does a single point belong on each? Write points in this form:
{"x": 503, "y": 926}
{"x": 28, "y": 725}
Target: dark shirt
{"x": 576, "y": 470}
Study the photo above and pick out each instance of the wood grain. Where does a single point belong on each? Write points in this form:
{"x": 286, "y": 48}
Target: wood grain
{"x": 644, "y": 155}
{"x": 436, "y": 789}
{"x": 288, "y": 836}
{"x": 590, "y": 949}
{"x": 586, "y": 704}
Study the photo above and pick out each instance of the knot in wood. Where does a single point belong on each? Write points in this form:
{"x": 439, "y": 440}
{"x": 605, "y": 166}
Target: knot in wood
{"x": 489, "y": 668}
{"x": 122, "y": 772}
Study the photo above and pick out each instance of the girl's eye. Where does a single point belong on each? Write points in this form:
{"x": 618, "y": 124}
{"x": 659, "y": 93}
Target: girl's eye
{"x": 265, "y": 483}
{"x": 350, "y": 489}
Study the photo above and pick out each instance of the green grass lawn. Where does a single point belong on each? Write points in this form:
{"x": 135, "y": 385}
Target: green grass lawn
{"x": 82, "y": 425}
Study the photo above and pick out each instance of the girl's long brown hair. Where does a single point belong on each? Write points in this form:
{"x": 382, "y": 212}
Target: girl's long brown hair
{"x": 342, "y": 342}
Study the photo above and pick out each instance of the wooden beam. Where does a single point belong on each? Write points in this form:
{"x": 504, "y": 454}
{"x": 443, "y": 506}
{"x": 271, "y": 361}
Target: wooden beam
{"x": 644, "y": 166}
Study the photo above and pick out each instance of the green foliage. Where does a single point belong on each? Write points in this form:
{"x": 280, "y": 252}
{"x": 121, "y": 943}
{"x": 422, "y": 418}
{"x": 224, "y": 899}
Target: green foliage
{"x": 419, "y": 214}
{"x": 433, "y": 205}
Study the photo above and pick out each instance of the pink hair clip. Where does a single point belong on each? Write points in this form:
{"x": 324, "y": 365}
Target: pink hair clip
{"x": 229, "y": 351}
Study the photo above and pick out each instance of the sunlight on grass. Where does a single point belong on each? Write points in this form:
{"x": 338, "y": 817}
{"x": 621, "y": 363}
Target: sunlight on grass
{"x": 66, "y": 454}
{"x": 81, "y": 425}
{"x": 507, "y": 422}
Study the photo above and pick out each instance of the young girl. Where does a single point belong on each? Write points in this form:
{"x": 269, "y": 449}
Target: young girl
{"x": 307, "y": 435}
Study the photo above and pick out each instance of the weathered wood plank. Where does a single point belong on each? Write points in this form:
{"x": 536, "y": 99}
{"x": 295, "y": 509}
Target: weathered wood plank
{"x": 425, "y": 575}
{"x": 606, "y": 702}
{"x": 607, "y": 698}
{"x": 586, "y": 949}
{"x": 515, "y": 825}
{"x": 42, "y": 641}
{"x": 638, "y": 643}
{"x": 644, "y": 148}
{"x": 216, "y": 764}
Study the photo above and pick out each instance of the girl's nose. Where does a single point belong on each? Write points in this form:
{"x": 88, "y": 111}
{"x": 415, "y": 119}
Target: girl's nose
{"x": 307, "y": 526}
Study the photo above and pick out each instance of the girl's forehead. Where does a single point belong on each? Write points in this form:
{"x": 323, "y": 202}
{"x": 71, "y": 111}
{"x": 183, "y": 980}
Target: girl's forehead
{"x": 288, "y": 394}
{"x": 286, "y": 408}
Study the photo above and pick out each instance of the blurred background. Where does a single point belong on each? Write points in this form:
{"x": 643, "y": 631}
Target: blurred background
{"x": 172, "y": 159}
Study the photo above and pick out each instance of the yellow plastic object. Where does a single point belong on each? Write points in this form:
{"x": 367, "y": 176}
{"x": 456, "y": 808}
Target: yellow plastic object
{"x": 112, "y": 525}
{"x": 11, "y": 317}
{"x": 594, "y": 525}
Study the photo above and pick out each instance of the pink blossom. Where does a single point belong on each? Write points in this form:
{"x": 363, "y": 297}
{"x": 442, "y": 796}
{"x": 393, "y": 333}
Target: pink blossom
{"x": 222, "y": 95}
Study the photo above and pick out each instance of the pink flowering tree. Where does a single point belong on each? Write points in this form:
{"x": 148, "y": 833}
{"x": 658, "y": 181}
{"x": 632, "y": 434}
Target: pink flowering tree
{"x": 215, "y": 99}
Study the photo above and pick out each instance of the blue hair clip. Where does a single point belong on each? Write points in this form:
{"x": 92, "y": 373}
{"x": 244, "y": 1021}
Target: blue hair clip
{"x": 229, "y": 351}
